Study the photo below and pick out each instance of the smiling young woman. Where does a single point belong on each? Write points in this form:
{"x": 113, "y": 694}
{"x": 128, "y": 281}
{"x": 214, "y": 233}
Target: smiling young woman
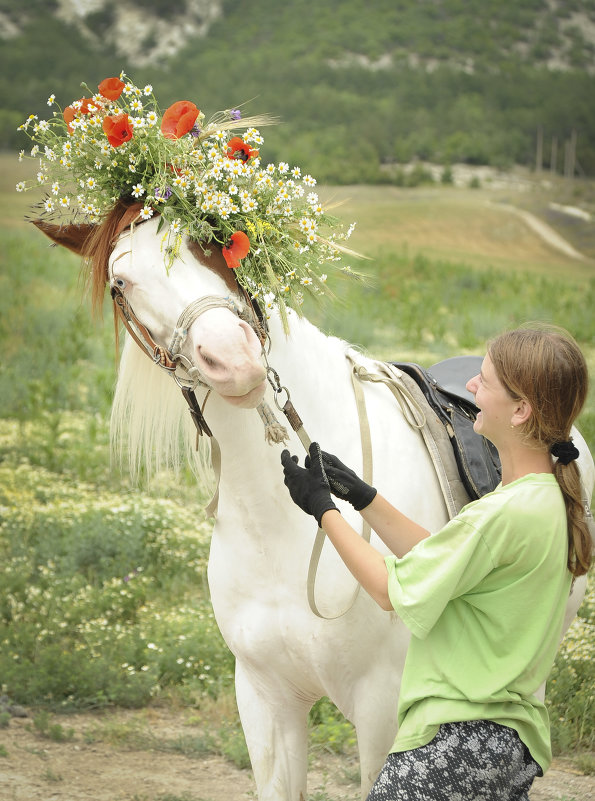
{"x": 484, "y": 597}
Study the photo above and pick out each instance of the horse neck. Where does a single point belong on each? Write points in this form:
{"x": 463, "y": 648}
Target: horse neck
{"x": 313, "y": 369}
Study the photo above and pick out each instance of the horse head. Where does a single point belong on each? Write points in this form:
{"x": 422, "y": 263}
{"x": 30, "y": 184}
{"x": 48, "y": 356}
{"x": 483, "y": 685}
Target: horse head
{"x": 220, "y": 343}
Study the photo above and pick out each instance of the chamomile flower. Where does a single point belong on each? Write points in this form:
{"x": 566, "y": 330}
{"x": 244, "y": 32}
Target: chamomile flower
{"x": 136, "y": 104}
{"x": 49, "y": 204}
{"x": 151, "y": 119}
{"x": 138, "y": 190}
{"x": 65, "y": 202}
{"x": 91, "y": 182}
{"x": 51, "y": 99}
{"x": 55, "y": 188}
{"x": 20, "y": 187}
{"x": 148, "y": 90}
{"x": 175, "y": 226}
{"x": 309, "y": 181}
{"x": 283, "y": 167}
{"x": 296, "y": 172}
{"x": 146, "y": 213}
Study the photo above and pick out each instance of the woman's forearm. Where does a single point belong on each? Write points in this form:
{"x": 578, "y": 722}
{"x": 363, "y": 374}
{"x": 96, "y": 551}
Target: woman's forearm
{"x": 396, "y": 530}
{"x": 363, "y": 560}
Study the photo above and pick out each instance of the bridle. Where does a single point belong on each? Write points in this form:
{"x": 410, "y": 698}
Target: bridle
{"x": 171, "y": 359}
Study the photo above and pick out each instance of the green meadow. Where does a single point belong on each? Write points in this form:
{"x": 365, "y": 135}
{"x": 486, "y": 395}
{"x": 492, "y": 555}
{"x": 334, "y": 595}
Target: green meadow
{"x": 104, "y": 597}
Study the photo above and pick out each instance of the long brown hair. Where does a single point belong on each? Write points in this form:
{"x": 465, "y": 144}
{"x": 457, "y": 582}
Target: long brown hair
{"x": 545, "y": 366}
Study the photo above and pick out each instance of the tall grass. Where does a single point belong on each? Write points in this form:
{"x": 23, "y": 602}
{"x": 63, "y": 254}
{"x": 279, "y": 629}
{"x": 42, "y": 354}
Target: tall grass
{"x": 104, "y": 597}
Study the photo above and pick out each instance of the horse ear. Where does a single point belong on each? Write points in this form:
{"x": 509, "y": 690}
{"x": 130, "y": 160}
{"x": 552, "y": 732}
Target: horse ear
{"x": 74, "y": 237}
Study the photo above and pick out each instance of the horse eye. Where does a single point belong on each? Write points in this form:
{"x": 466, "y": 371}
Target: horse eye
{"x": 120, "y": 283}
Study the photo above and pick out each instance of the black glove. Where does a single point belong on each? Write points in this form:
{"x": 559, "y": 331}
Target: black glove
{"x": 309, "y": 488}
{"x": 345, "y": 483}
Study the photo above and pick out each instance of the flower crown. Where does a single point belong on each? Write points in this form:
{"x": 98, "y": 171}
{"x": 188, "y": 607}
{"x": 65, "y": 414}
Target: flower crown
{"x": 203, "y": 181}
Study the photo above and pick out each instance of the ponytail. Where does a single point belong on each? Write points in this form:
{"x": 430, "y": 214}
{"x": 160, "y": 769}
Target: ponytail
{"x": 580, "y": 544}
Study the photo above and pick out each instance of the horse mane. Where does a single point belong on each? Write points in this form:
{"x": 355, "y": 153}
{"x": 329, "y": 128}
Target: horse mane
{"x": 100, "y": 244}
{"x": 150, "y": 427}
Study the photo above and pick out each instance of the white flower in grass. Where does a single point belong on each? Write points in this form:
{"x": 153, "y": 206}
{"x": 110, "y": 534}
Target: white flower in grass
{"x": 146, "y": 213}
{"x": 34, "y": 150}
{"x": 21, "y": 155}
{"x": 136, "y": 104}
{"x": 270, "y": 168}
{"x": 55, "y": 188}
{"x": 296, "y": 172}
{"x": 51, "y": 99}
{"x": 41, "y": 177}
{"x": 151, "y": 119}
{"x": 20, "y": 186}
{"x": 306, "y": 281}
{"x": 91, "y": 182}
{"x": 323, "y": 278}
{"x": 138, "y": 190}
{"x": 283, "y": 167}
{"x": 148, "y": 90}
{"x": 65, "y": 202}
{"x": 49, "y": 204}
{"x": 318, "y": 210}
{"x": 309, "y": 181}
{"x": 311, "y": 237}
{"x": 175, "y": 227}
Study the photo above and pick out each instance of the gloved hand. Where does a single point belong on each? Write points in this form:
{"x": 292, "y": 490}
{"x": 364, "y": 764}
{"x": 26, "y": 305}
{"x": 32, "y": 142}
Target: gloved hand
{"x": 309, "y": 488}
{"x": 345, "y": 483}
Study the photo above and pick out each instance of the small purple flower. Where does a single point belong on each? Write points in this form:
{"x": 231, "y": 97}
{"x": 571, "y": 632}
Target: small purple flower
{"x": 194, "y": 131}
{"x": 235, "y": 114}
{"x": 163, "y": 194}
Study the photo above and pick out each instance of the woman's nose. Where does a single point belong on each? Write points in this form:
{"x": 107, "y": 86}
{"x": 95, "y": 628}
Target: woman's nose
{"x": 472, "y": 384}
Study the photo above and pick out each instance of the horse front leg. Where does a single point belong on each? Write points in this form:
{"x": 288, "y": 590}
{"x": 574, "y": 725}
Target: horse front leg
{"x": 275, "y": 724}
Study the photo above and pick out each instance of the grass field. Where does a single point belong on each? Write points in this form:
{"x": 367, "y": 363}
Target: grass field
{"x": 448, "y": 269}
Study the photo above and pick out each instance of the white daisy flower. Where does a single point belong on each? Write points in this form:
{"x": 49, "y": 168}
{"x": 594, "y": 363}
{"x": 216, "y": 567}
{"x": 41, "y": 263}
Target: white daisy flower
{"x": 175, "y": 227}
{"x": 49, "y": 204}
{"x": 65, "y": 202}
{"x": 283, "y": 167}
{"x": 148, "y": 90}
{"x": 309, "y": 181}
{"x": 91, "y": 182}
{"x": 55, "y": 188}
{"x": 296, "y": 172}
{"x": 138, "y": 190}
{"x": 20, "y": 187}
{"x": 51, "y": 99}
{"x": 146, "y": 213}
{"x": 151, "y": 119}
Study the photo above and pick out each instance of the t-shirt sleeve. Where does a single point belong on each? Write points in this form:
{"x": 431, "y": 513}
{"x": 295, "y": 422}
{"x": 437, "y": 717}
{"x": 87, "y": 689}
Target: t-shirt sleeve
{"x": 444, "y": 566}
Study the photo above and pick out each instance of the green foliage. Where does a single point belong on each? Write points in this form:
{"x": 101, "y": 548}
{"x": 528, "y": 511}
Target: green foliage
{"x": 571, "y": 682}
{"x": 104, "y": 596}
{"x": 438, "y": 81}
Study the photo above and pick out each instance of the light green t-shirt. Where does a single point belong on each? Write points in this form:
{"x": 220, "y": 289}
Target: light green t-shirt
{"x": 484, "y": 599}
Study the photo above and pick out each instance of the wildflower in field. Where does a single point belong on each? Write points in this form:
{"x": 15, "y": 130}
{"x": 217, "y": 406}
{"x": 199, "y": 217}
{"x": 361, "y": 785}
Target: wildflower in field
{"x": 237, "y": 248}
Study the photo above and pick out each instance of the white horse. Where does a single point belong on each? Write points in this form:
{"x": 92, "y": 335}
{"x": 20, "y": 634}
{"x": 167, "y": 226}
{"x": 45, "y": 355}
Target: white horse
{"x": 286, "y": 657}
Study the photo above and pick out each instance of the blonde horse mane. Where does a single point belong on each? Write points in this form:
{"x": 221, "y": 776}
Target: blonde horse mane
{"x": 151, "y": 429}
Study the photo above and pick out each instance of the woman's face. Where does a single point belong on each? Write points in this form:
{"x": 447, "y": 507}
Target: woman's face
{"x": 496, "y": 406}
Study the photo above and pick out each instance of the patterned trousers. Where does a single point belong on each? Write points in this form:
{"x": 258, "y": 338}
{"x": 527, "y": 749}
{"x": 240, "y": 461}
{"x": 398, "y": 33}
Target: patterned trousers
{"x": 476, "y": 760}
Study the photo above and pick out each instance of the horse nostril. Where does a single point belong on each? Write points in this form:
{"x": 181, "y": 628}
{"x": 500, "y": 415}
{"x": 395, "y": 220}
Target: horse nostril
{"x": 208, "y": 360}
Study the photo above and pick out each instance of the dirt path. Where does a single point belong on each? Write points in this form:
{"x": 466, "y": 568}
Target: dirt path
{"x": 90, "y": 767}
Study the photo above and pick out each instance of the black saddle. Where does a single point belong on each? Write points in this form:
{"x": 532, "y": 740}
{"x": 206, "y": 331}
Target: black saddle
{"x": 444, "y": 387}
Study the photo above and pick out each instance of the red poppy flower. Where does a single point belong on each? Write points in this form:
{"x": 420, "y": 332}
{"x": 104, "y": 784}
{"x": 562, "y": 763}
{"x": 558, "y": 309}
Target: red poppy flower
{"x": 70, "y": 112}
{"x": 179, "y": 119}
{"x": 238, "y": 149}
{"x": 111, "y": 88}
{"x": 237, "y": 248}
{"x": 118, "y": 129}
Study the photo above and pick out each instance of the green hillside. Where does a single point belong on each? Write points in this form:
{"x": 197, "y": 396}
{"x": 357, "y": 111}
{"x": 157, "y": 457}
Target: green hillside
{"x": 359, "y": 87}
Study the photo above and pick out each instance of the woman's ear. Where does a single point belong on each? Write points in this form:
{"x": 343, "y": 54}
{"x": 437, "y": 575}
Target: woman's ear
{"x": 522, "y": 413}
